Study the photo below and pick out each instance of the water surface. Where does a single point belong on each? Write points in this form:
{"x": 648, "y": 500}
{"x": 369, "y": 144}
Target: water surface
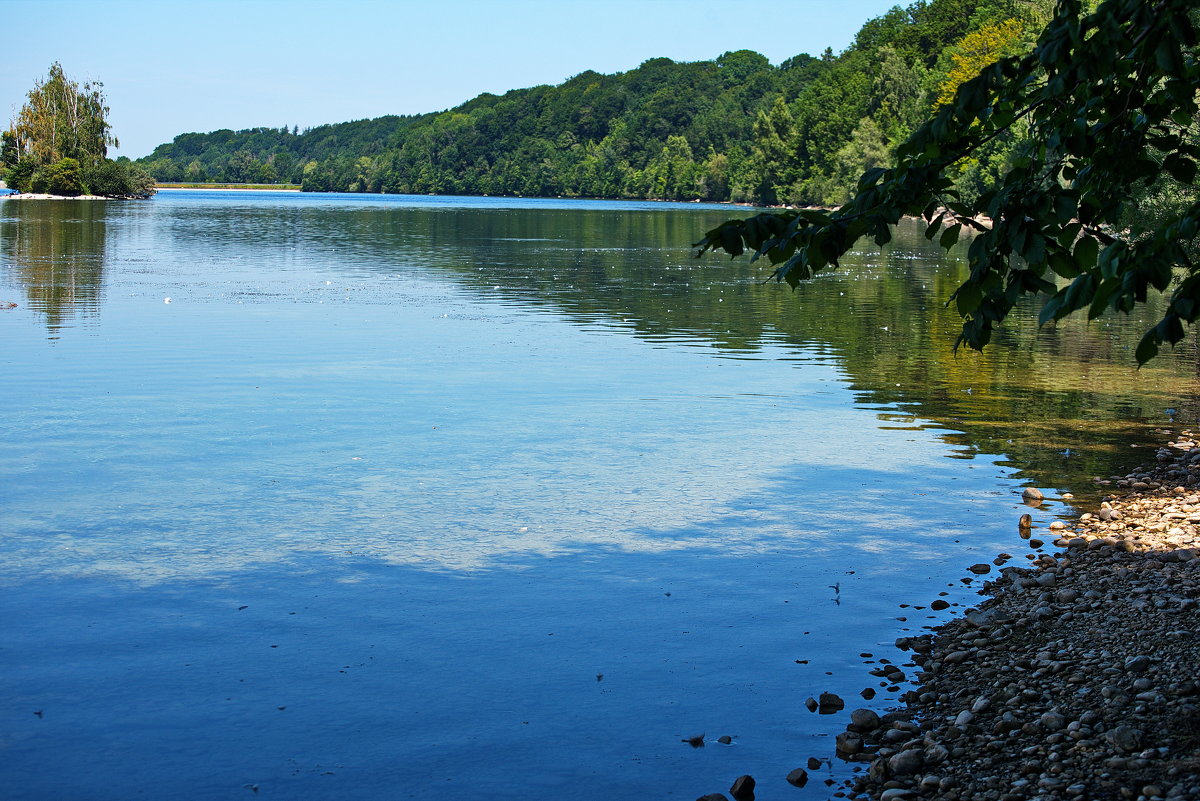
{"x": 412, "y": 497}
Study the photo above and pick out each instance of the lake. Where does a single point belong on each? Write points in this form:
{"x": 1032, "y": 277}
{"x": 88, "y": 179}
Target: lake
{"x": 365, "y": 497}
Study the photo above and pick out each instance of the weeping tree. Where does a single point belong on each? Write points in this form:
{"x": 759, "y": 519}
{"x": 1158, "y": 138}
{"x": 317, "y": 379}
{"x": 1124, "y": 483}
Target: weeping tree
{"x": 1105, "y": 104}
{"x": 59, "y": 142}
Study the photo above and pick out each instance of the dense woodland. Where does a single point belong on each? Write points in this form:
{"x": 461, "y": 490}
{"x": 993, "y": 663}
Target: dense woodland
{"x": 735, "y": 128}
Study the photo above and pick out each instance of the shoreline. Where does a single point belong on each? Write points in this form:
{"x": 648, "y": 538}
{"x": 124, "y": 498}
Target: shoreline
{"x": 1075, "y": 678}
{"x": 41, "y": 196}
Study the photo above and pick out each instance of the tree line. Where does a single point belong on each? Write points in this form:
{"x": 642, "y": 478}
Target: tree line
{"x": 736, "y": 128}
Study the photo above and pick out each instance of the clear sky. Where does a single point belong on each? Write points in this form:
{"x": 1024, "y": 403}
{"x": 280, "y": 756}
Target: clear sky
{"x": 171, "y": 67}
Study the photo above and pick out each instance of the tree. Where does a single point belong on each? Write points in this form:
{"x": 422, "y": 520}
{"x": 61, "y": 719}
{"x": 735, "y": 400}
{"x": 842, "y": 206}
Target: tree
{"x": 63, "y": 177}
{"x": 1108, "y": 100}
{"x": 61, "y": 119}
{"x": 59, "y": 141}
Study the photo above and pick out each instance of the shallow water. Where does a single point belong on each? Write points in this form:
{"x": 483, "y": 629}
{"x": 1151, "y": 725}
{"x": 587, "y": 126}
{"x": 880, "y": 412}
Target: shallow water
{"x": 401, "y": 497}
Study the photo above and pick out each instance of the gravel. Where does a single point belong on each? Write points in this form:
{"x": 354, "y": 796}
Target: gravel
{"x": 1076, "y": 678}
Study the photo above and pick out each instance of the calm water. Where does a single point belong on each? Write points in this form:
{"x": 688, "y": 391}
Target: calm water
{"x": 469, "y": 498}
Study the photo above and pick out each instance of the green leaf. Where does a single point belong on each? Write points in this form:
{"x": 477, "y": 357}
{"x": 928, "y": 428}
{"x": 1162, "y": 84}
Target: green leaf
{"x": 1180, "y": 168}
{"x": 1069, "y": 234}
{"x": 949, "y": 237}
{"x": 932, "y": 230}
{"x": 1086, "y": 251}
{"x": 967, "y": 298}
{"x": 1147, "y": 349}
{"x": 1062, "y": 264}
{"x": 731, "y": 240}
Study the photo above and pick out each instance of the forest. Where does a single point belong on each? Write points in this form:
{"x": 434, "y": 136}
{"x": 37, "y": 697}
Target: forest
{"x": 736, "y": 128}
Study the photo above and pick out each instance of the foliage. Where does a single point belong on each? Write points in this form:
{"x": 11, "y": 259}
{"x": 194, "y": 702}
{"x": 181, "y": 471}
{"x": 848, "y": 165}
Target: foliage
{"x": 975, "y": 51}
{"x": 20, "y": 175}
{"x": 60, "y": 119}
{"x": 1108, "y": 99}
{"x": 119, "y": 179}
{"x": 63, "y": 177}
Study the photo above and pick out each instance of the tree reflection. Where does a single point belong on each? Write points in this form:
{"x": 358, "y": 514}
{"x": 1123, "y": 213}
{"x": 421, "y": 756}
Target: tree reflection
{"x": 55, "y": 251}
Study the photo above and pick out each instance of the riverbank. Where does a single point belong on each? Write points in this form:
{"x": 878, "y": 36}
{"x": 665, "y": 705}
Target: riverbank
{"x": 1075, "y": 678}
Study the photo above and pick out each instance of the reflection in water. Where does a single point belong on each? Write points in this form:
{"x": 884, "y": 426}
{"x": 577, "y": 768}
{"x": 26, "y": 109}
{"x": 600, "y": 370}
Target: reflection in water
{"x": 56, "y": 251}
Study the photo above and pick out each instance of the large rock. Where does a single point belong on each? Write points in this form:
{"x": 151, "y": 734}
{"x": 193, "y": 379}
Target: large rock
{"x": 906, "y": 763}
{"x": 743, "y": 788}
{"x": 864, "y": 720}
{"x": 830, "y": 703}
{"x": 848, "y": 743}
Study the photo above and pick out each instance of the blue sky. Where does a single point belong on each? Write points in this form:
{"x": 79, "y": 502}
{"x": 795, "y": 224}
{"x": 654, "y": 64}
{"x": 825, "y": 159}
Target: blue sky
{"x": 172, "y": 67}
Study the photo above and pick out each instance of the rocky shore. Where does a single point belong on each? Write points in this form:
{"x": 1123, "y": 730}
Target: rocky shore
{"x": 1076, "y": 678}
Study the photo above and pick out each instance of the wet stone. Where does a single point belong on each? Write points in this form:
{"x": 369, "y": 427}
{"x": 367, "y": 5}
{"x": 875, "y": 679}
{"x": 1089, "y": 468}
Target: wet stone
{"x": 743, "y": 788}
{"x": 798, "y": 777}
{"x": 830, "y": 704}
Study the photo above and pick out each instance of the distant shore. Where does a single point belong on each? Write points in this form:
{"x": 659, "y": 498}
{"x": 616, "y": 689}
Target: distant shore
{"x": 173, "y": 186}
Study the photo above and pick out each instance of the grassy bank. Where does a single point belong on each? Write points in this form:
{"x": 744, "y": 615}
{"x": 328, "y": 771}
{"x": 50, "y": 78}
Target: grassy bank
{"x": 271, "y": 187}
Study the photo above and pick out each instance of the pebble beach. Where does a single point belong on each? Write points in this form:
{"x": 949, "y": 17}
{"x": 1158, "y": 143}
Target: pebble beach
{"x": 1075, "y": 678}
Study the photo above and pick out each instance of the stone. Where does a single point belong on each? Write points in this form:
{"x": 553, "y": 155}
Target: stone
{"x": 895, "y": 794}
{"x": 1026, "y": 521}
{"x": 936, "y": 754}
{"x": 811, "y": 704}
{"x": 848, "y": 743}
{"x": 725, "y": 739}
{"x": 798, "y": 777}
{"x": 1032, "y": 495}
{"x": 830, "y": 703}
{"x": 743, "y": 788}
{"x": 1052, "y": 721}
{"x": 907, "y": 762}
{"x": 1126, "y": 738}
{"x": 864, "y": 720}
{"x": 964, "y": 719}
{"x": 713, "y": 797}
{"x": 813, "y": 763}
{"x": 1137, "y": 664}
{"x": 939, "y": 605}
{"x": 980, "y": 568}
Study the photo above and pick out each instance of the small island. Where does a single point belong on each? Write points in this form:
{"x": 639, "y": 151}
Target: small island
{"x": 57, "y": 146}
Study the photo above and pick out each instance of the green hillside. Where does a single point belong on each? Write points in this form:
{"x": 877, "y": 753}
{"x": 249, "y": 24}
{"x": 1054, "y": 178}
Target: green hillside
{"x": 734, "y": 128}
